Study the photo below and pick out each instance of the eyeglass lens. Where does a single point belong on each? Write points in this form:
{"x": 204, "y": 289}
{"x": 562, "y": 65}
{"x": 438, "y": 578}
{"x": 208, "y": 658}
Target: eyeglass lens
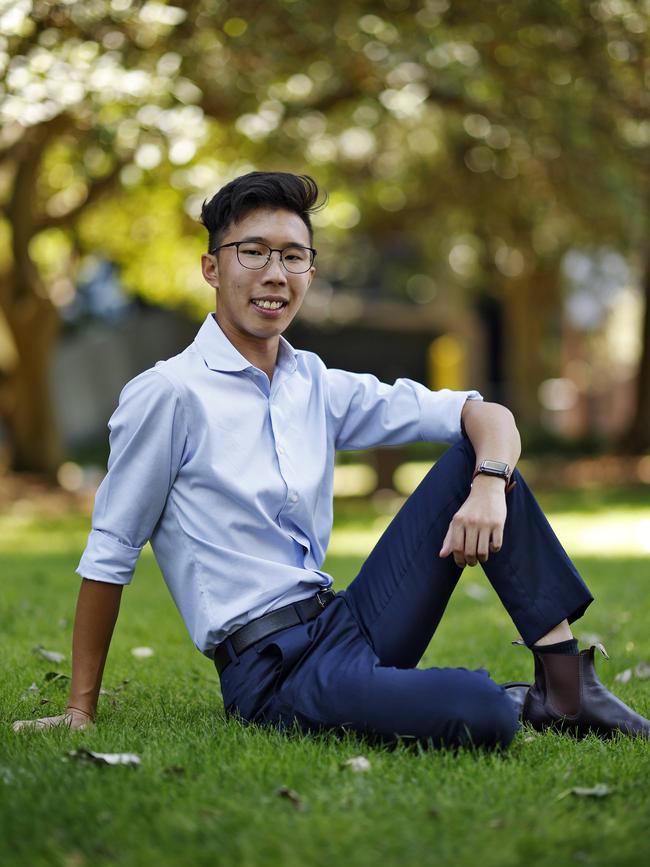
{"x": 254, "y": 255}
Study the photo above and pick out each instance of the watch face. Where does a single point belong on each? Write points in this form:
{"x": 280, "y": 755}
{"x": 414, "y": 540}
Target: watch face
{"x": 494, "y": 467}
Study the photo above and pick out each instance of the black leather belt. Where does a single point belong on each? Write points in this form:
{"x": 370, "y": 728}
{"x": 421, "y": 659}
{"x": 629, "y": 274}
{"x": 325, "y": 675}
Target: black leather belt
{"x": 281, "y": 618}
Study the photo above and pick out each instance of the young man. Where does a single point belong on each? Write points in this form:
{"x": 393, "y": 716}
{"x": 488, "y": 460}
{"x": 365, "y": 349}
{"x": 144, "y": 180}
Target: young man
{"x": 223, "y": 457}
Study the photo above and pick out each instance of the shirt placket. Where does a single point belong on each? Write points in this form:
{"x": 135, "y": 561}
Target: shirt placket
{"x": 289, "y": 517}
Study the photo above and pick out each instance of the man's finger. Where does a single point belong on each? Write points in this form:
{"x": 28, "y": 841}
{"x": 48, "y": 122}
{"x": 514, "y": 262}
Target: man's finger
{"x": 483, "y": 546}
{"x": 471, "y": 543}
{"x": 497, "y": 540}
{"x": 457, "y": 543}
{"x": 445, "y": 551}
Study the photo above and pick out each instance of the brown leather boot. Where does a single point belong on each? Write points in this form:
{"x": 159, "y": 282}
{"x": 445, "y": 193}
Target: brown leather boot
{"x": 517, "y": 690}
{"x": 568, "y": 694}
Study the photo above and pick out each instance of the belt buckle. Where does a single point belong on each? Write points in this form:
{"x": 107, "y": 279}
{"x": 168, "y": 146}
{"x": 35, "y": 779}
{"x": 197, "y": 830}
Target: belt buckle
{"x": 319, "y": 600}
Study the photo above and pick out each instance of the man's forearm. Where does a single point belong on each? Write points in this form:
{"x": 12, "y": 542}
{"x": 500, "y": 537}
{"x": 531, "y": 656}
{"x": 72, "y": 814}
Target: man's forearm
{"x": 98, "y": 605}
{"x": 492, "y": 431}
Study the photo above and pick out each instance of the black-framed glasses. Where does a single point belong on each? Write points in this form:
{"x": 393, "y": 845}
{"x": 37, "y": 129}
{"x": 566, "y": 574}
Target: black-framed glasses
{"x": 295, "y": 258}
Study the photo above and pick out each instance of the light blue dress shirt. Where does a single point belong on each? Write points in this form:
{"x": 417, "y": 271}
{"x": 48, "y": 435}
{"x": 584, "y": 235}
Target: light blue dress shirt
{"x": 230, "y": 477}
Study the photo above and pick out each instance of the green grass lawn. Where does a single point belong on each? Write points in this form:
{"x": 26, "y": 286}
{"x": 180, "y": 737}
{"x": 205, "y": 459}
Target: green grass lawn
{"x": 208, "y": 789}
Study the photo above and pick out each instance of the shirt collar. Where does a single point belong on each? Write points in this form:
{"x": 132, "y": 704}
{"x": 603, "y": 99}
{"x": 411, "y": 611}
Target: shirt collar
{"x": 219, "y": 353}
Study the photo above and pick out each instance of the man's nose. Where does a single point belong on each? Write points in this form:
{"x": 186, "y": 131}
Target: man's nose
{"x": 274, "y": 267}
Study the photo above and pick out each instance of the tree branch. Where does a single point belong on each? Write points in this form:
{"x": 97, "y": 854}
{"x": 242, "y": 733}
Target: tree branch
{"x": 20, "y": 207}
{"x": 95, "y": 190}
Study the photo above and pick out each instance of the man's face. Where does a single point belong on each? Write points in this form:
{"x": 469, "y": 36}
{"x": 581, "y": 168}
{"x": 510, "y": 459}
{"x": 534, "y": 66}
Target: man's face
{"x": 240, "y": 290}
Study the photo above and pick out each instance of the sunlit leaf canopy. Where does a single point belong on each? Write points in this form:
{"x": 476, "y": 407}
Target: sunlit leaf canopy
{"x": 463, "y": 145}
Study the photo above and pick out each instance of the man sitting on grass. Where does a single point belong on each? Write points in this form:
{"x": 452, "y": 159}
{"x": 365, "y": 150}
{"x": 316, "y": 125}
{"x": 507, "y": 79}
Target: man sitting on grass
{"x": 223, "y": 457}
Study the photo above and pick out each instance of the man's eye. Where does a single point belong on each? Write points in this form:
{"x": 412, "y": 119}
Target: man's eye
{"x": 295, "y": 255}
{"x": 251, "y": 251}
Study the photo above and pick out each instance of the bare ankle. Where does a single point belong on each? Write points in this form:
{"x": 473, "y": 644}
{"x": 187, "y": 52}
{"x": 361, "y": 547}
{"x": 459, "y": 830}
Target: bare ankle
{"x": 561, "y": 632}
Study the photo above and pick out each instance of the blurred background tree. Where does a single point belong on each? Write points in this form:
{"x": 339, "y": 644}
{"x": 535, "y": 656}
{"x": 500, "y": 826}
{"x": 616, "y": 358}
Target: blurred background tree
{"x": 471, "y": 146}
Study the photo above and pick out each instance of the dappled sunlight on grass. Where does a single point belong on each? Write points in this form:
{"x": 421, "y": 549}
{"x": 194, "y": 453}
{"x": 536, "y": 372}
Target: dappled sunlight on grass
{"x": 35, "y": 534}
{"x": 607, "y": 524}
{"x": 602, "y": 526}
{"x": 611, "y": 533}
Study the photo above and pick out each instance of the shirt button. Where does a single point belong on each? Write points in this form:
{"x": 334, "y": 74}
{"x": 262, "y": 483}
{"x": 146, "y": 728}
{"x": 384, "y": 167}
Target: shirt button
{"x": 280, "y": 450}
{"x": 294, "y": 498}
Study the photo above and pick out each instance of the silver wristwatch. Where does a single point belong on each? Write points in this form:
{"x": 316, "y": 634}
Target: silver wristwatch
{"x": 493, "y": 468}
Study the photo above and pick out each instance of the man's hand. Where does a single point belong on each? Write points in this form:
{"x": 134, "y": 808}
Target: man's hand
{"x": 477, "y": 527}
{"x": 73, "y": 718}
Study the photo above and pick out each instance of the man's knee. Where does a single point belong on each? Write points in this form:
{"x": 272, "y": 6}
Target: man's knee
{"x": 457, "y": 462}
{"x": 488, "y": 718}
{"x": 496, "y": 721}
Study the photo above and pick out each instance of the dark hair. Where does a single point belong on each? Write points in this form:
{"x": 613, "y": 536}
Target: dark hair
{"x": 278, "y": 190}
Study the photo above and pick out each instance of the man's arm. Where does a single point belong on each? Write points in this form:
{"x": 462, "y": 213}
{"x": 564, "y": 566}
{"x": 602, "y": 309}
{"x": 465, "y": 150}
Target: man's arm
{"x": 477, "y": 527}
{"x": 98, "y": 605}
{"x": 148, "y": 432}
{"x": 363, "y": 412}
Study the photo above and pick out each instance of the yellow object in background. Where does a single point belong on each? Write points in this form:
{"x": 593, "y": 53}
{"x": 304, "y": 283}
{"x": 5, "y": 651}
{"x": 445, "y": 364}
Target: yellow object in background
{"x": 446, "y": 363}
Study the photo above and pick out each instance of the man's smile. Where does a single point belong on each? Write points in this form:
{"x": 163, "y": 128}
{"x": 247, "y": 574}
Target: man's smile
{"x": 269, "y": 305}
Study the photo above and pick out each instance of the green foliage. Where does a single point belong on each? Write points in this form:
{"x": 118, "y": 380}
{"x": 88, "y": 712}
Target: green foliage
{"x": 517, "y": 132}
{"x": 146, "y": 230}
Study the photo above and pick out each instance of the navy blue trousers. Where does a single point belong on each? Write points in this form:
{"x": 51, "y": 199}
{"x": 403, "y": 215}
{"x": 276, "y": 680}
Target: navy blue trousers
{"x": 354, "y": 666}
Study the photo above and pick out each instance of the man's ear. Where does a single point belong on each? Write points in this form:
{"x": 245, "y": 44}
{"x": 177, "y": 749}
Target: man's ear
{"x": 210, "y": 269}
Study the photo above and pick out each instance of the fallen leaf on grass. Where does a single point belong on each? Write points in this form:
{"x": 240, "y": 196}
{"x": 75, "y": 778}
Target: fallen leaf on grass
{"x": 56, "y": 678}
{"x": 112, "y": 693}
{"x": 105, "y": 758}
{"x": 356, "y": 764}
{"x": 600, "y": 790}
{"x": 640, "y": 670}
{"x": 142, "y": 652}
{"x": 291, "y": 795}
{"x": 52, "y": 677}
{"x": 50, "y": 655}
{"x": 29, "y": 692}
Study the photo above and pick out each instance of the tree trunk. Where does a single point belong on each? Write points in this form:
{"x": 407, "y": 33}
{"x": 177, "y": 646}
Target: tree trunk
{"x": 529, "y": 305}
{"x": 386, "y": 461}
{"x": 33, "y": 321}
{"x": 637, "y": 438}
{"x": 29, "y": 415}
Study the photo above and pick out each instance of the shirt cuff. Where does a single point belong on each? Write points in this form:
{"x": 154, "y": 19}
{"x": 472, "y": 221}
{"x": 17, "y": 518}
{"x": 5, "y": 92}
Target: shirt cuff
{"x": 107, "y": 559}
{"x": 444, "y": 426}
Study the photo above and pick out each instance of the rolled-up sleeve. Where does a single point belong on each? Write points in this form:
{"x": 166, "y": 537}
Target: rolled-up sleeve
{"x": 147, "y": 439}
{"x": 365, "y": 412}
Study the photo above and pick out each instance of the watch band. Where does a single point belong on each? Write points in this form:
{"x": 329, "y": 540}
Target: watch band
{"x": 499, "y": 469}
